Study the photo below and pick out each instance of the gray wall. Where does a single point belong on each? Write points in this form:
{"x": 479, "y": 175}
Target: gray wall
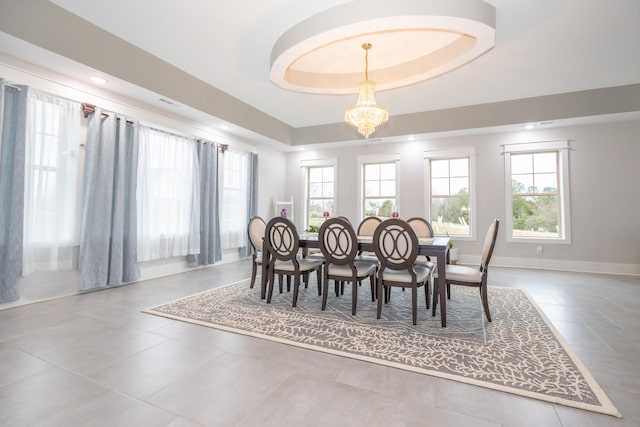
{"x": 604, "y": 196}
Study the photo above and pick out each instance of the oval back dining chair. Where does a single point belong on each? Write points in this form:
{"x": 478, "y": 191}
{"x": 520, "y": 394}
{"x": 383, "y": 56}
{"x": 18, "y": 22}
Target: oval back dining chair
{"x": 423, "y": 229}
{"x": 282, "y": 241}
{"x": 421, "y": 226}
{"x": 368, "y": 226}
{"x": 469, "y": 276}
{"x": 339, "y": 245}
{"x": 396, "y": 246}
{"x": 255, "y": 230}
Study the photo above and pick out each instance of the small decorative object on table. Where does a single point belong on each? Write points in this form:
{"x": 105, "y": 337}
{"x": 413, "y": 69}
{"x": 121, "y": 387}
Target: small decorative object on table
{"x": 283, "y": 213}
{"x": 326, "y": 215}
{"x": 453, "y": 251}
{"x": 394, "y": 214}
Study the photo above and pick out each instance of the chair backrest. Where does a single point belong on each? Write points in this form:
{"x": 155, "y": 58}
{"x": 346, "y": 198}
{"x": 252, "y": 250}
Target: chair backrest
{"x": 338, "y": 241}
{"x": 281, "y": 239}
{"x": 395, "y": 244}
{"x": 255, "y": 230}
{"x": 489, "y": 244}
{"x": 421, "y": 226}
{"x": 368, "y": 226}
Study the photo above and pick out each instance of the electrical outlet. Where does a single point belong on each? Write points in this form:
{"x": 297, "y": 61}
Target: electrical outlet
{"x": 539, "y": 250}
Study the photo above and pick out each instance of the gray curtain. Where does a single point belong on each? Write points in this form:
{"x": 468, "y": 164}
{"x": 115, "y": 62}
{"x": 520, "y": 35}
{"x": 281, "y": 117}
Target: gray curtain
{"x": 252, "y": 196}
{"x": 210, "y": 251}
{"x": 13, "y": 128}
{"x": 108, "y": 252}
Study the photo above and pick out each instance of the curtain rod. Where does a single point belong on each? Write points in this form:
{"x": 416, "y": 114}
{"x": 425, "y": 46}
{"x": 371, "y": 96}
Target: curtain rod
{"x": 88, "y": 109}
{"x": 18, "y": 88}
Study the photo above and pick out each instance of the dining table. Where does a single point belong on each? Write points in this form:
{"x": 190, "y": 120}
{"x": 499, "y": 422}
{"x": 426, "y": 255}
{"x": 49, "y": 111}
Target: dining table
{"x": 433, "y": 247}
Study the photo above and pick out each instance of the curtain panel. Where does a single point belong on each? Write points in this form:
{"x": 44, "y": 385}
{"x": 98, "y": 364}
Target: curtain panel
{"x": 13, "y": 110}
{"x": 108, "y": 225}
{"x": 168, "y": 195}
{"x": 251, "y": 195}
{"x": 235, "y": 170}
{"x": 50, "y": 219}
{"x": 209, "y": 225}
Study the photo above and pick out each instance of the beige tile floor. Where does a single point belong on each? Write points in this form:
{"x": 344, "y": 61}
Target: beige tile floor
{"x": 96, "y": 360}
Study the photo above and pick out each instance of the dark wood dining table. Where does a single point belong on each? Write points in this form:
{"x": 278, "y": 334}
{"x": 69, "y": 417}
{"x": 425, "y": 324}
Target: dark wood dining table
{"x": 434, "y": 247}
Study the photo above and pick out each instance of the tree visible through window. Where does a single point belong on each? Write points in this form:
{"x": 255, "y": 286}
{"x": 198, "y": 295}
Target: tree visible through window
{"x": 450, "y": 213}
{"x": 379, "y": 189}
{"x": 535, "y": 198}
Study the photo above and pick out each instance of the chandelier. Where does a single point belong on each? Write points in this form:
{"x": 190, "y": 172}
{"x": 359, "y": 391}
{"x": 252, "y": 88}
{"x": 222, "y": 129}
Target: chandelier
{"x": 366, "y": 115}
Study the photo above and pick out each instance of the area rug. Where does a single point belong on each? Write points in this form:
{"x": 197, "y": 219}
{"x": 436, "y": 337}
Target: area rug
{"x": 520, "y": 352}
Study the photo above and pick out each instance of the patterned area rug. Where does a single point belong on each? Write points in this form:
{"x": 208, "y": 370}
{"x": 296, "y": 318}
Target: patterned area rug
{"x": 519, "y": 352}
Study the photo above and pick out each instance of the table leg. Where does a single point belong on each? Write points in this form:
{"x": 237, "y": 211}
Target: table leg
{"x": 442, "y": 288}
{"x": 265, "y": 273}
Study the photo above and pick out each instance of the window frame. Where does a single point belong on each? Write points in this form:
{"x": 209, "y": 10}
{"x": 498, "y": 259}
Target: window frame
{"x": 451, "y": 154}
{"x": 377, "y": 159}
{"x": 561, "y": 147}
{"x": 305, "y": 165}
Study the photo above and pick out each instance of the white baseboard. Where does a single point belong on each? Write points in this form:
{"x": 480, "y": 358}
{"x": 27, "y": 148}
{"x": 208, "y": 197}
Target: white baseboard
{"x": 557, "y": 264}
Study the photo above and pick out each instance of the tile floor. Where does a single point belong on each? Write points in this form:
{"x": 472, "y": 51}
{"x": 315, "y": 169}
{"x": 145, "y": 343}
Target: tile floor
{"x": 96, "y": 360}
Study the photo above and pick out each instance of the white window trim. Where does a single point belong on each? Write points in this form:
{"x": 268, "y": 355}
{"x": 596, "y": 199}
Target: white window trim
{"x": 376, "y": 158}
{"x": 562, "y": 147}
{"x": 305, "y": 164}
{"x": 453, "y": 153}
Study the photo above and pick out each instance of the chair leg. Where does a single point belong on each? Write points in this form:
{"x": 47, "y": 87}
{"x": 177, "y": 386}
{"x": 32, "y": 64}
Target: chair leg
{"x": 296, "y": 285}
{"x": 280, "y": 281}
{"x": 427, "y": 285}
{"x": 354, "y": 296}
{"x": 414, "y": 303}
{"x": 380, "y": 286}
{"x": 319, "y": 275}
{"x": 436, "y": 294}
{"x": 254, "y": 270}
{"x": 372, "y": 279}
{"x": 325, "y": 290}
{"x": 272, "y": 278}
{"x": 485, "y": 301}
{"x": 448, "y": 291}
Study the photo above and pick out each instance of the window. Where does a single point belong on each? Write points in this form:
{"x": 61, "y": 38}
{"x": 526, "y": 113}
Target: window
{"x": 320, "y": 194}
{"x": 50, "y": 218}
{"x": 379, "y": 189}
{"x": 168, "y": 196}
{"x": 450, "y": 179}
{"x": 537, "y": 208}
{"x": 233, "y": 218}
{"x": 450, "y": 212}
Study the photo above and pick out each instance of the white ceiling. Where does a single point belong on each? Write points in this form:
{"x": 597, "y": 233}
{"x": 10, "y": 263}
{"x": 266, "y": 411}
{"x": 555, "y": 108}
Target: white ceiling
{"x": 542, "y": 47}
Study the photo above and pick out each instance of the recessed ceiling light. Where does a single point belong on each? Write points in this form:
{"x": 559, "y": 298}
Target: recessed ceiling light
{"x": 411, "y": 138}
{"x": 529, "y": 126}
{"x": 98, "y": 80}
{"x": 225, "y": 127}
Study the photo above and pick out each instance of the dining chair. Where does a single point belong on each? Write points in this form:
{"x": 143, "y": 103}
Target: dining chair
{"x": 255, "y": 230}
{"x": 469, "y": 276}
{"x": 282, "y": 242}
{"x": 368, "y": 226}
{"x": 339, "y": 245}
{"x": 396, "y": 245}
{"x": 423, "y": 229}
